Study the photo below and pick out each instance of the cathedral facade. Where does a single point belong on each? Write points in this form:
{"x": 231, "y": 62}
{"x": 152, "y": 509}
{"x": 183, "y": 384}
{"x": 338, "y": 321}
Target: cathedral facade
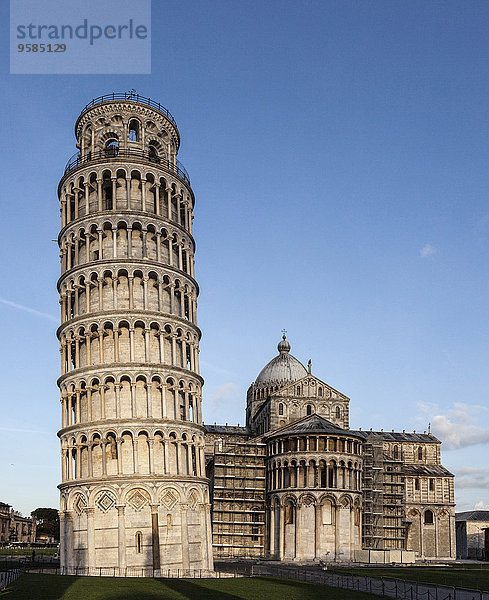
{"x": 297, "y": 484}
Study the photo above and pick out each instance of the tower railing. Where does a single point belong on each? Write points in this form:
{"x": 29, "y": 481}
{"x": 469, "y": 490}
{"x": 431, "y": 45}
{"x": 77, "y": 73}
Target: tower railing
{"x": 110, "y": 153}
{"x": 134, "y": 98}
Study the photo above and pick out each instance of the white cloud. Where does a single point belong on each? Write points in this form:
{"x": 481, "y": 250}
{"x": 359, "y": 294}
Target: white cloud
{"x": 472, "y": 477}
{"x": 481, "y": 505}
{"x": 427, "y": 250}
{"x": 457, "y": 427}
{"x": 227, "y": 393}
{"x": 29, "y": 310}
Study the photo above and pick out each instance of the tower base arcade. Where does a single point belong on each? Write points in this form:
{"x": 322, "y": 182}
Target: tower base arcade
{"x": 128, "y": 527}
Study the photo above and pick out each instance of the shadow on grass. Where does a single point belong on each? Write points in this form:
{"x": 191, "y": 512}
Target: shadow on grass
{"x": 192, "y": 590}
{"x": 40, "y": 587}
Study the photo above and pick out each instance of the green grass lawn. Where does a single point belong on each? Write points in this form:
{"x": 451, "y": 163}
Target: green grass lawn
{"x": 59, "y": 587}
{"x": 468, "y": 576}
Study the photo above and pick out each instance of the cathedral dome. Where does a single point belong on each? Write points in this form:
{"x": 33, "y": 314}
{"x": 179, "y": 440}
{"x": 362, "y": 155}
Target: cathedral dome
{"x": 284, "y": 368}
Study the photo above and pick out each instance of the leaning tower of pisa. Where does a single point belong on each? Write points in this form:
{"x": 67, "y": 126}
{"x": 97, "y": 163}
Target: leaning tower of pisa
{"x": 134, "y": 497}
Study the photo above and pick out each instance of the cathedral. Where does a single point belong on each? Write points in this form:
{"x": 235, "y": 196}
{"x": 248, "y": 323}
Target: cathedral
{"x": 297, "y": 484}
{"x": 146, "y": 487}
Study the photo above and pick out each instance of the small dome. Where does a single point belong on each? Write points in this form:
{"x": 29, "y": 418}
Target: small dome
{"x": 283, "y": 345}
{"x": 284, "y": 368}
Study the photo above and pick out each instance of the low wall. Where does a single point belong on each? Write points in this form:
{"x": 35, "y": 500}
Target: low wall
{"x": 385, "y": 556}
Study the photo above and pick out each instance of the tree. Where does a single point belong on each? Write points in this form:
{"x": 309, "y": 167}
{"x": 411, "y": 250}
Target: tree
{"x": 47, "y": 520}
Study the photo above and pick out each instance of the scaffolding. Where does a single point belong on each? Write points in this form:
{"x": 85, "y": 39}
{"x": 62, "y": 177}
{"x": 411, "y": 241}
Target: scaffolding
{"x": 384, "y": 515}
{"x": 394, "y": 504}
{"x": 238, "y": 487}
{"x": 373, "y": 492}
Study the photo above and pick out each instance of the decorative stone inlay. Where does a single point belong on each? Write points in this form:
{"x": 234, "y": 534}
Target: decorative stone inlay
{"x": 193, "y": 500}
{"x": 79, "y": 504}
{"x": 138, "y": 499}
{"x": 105, "y": 501}
{"x": 169, "y": 499}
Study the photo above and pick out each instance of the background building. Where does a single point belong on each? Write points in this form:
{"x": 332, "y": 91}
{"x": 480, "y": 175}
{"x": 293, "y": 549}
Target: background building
{"x": 4, "y": 522}
{"x": 14, "y": 527}
{"x": 473, "y": 534}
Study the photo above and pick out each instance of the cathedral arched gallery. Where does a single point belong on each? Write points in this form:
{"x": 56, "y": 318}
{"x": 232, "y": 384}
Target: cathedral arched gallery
{"x": 145, "y": 484}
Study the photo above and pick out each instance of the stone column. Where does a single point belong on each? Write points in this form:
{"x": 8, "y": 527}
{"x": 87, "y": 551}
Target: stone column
{"x": 90, "y": 538}
{"x": 89, "y": 403}
{"x": 77, "y": 256}
{"x": 135, "y": 455}
{"x": 168, "y": 190}
{"x": 69, "y": 540}
{"x": 99, "y": 195}
{"x": 158, "y": 246}
{"x": 157, "y": 200}
{"x": 121, "y": 540}
{"x": 114, "y": 192}
{"x": 90, "y": 459}
{"x": 145, "y": 292}
{"x": 87, "y": 200}
{"x": 317, "y": 529}
{"x": 100, "y": 283}
{"x": 161, "y": 338}
{"x": 128, "y": 192}
{"x": 151, "y": 444}
{"x": 120, "y": 469}
{"x": 163, "y": 401}
{"x": 78, "y": 406}
{"x": 116, "y": 345}
{"x": 155, "y": 535}
{"x": 131, "y": 344}
{"x": 271, "y": 531}
{"x": 101, "y": 345}
{"x": 143, "y": 193}
{"x": 281, "y": 548}
{"x": 100, "y": 244}
{"x": 173, "y": 349}
{"x": 117, "y": 390}
{"x": 62, "y": 542}
{"x": 103, "y": 446}
{"x": 102, "y": 401}
{"x": 133, "y": 399}
{"x": 149, "y": 399}
{"x": 64, "y": 474}
{"x": 63, "y": 408}
{"x": 129, "y": 242}
{"x": 75, "y": 196}
{"x": 184, "y": 537}
{"x": 131, "y": 290}
{"x": 180, "y": 258}
{"x": 87, "y": 295}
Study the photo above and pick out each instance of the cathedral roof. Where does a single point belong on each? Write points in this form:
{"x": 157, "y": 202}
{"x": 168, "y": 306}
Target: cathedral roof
{"x": 427, "y": 470}
{"x": 284, "y": 368}
{"x": 397, "y": 436}
{"x": 227, "y": 429}
{"x": 473, "y": 515}
{"x": 313, "y": 424}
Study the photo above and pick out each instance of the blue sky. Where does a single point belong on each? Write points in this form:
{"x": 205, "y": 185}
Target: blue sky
{"x": 338, "y": 152}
